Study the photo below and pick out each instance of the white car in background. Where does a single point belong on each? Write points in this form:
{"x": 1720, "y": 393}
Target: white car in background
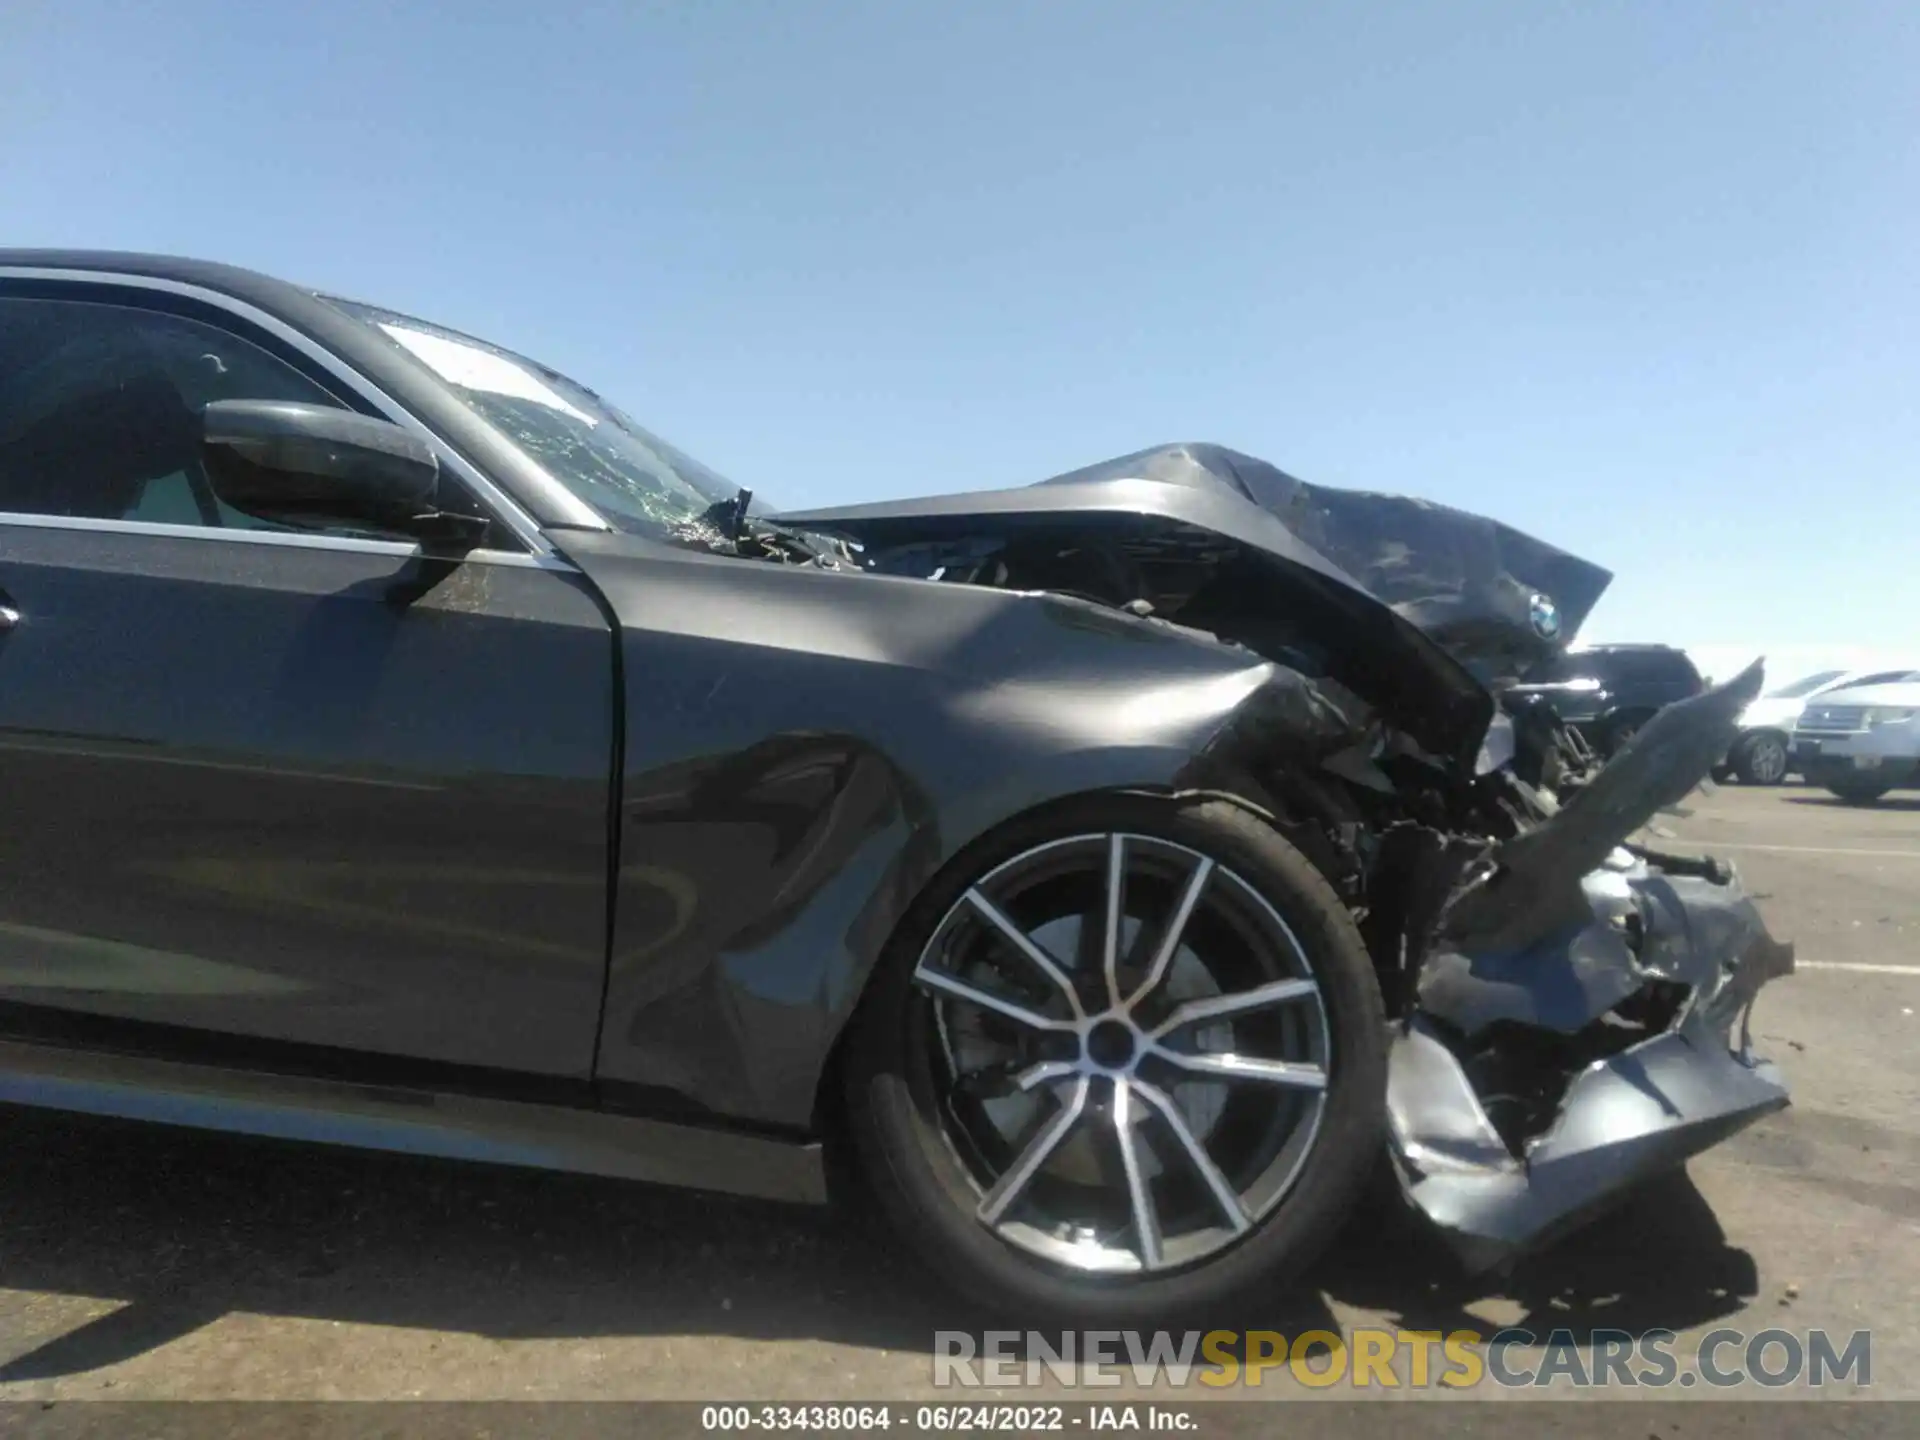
{"x": 1860, "y": 741}
{"x": 1764, "y": 752}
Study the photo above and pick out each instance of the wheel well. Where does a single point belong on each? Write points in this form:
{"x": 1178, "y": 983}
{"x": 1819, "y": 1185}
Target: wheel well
{"x": 1242, "y": 791}
{"x": 827, "y": 1116}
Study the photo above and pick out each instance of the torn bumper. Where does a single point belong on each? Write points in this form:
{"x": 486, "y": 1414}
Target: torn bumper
{"x": 1622, "y": 1118}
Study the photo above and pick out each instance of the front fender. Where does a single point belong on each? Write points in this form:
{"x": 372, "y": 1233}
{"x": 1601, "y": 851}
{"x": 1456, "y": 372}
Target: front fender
{"x": 804, "y": 750}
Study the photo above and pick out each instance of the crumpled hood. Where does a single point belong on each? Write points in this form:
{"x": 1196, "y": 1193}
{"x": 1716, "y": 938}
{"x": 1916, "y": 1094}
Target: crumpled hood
{"x": 1494, "y": 602}
{"x": 1498, "y": 600}
{"x": 1236, "y": 567}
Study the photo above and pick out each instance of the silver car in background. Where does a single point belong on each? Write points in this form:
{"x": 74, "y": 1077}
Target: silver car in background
{"x": 1861, "y": 741}
{"x": 1764, "y": 754}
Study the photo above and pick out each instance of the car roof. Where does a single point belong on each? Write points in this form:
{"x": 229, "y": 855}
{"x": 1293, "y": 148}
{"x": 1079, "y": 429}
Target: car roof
{"x": 1894, "y": 692}
{"x": 1850, "y": 677}
{"x": 251, "y": 285}
{"x": 1670, "y": 654}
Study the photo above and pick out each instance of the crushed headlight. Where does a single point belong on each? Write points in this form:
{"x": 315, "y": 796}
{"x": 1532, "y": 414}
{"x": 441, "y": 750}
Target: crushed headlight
{"x": 1882, "y": 715}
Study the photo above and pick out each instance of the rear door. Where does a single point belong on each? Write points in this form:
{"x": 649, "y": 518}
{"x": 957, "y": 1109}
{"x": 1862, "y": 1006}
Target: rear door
{"x": 309, "y": 792}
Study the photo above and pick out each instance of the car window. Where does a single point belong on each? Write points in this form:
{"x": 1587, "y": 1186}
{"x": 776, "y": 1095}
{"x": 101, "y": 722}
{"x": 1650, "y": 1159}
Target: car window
{"x": 1882, "y": 677}
{"x": 100, "y": 410}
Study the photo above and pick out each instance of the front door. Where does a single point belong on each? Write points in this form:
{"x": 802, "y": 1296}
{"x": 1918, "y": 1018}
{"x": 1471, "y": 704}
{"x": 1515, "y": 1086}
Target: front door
{"x": 309, "y": 790}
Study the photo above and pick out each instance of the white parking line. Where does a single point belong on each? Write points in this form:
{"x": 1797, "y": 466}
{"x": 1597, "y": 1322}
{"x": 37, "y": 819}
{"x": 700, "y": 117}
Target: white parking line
{"x": 1857, "y": 967}
{"x": 1795, "y": 849}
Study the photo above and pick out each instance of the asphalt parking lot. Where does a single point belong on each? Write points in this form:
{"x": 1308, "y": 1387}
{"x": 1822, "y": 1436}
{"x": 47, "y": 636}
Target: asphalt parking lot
{"x": 144, "y": 1263}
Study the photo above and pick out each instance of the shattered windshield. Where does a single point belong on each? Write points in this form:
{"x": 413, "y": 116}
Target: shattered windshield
{"x": 631, "y": 476}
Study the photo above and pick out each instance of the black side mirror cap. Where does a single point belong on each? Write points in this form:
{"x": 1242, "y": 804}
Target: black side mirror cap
{"x": 309, "y": 465}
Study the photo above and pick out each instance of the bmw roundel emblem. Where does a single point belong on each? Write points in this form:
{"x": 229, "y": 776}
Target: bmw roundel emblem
{"x": 1545, "y": 616}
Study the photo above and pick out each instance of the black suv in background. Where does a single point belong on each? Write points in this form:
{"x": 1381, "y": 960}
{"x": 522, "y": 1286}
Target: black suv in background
{"x": 1609, "y": 691}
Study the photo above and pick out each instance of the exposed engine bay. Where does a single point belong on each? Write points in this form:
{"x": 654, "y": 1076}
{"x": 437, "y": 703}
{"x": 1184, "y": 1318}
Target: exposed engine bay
{"x": 1570, "y": 1002}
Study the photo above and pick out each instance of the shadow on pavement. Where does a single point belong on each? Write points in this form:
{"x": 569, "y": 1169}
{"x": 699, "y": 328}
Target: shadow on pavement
{"x": 183, "y": 1228}
{"x": 1909, "y": 803}
{"x": 1658, "y": 1261}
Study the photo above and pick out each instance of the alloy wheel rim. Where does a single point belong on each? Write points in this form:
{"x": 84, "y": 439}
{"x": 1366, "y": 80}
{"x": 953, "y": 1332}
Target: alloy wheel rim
{"x": 1768, "y": 762}
{"x": 1127, "y": 1052}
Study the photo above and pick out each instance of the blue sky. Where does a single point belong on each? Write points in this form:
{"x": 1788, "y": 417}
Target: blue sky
{"x": 1640, "y": 278}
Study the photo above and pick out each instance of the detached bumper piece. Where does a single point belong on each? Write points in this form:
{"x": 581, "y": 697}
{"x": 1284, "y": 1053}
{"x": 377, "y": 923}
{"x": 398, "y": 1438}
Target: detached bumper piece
{"x": 1531, "y": 1087}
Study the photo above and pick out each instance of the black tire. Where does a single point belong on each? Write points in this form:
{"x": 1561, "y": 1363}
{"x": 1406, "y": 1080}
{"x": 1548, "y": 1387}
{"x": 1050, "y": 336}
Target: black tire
{"x": 1762, "y": 758}
{"x": 1858, "y": 792}
{"x": 901, "y": 1133}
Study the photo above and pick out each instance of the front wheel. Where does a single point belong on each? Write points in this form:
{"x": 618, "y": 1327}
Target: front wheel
{"x": 1124, "y": 1060}
{"x": 1760, "y": 758}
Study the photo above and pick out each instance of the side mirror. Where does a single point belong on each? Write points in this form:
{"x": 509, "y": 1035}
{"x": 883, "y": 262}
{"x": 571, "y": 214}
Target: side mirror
{"x": 310, "y": 465}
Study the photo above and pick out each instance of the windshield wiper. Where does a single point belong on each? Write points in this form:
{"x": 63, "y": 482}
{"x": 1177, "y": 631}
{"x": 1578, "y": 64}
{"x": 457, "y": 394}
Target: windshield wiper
{"x": 729, "y": 517}
{"x": 725, "y": 524}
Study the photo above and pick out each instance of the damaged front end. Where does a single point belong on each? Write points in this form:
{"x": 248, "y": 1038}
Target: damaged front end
{"x": 1570, "y": 1003}
{"x": 1570, "y": 1006}
{"x": 1573, "y": 1021}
